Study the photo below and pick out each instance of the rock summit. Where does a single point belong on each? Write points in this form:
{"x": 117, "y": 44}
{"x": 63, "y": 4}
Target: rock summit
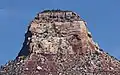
{"x": 58, "y": 42}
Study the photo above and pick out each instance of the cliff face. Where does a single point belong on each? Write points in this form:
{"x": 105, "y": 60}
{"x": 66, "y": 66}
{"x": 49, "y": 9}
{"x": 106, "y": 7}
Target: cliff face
{"x": 59, "y": 43}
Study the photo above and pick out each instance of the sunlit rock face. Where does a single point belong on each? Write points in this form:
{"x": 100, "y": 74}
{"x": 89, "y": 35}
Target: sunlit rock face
{"x": 58, "y": 43}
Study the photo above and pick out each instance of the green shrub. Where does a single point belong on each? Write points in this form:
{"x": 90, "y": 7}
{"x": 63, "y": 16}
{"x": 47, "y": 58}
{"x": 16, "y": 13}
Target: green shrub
{"x": 22, "y": 57}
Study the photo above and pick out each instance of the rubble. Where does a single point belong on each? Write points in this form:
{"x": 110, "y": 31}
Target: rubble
{"x": 39, "y": 68}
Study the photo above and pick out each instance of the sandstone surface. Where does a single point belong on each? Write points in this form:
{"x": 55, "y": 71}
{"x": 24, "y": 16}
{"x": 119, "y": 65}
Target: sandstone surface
{"x": 58, "y": 42}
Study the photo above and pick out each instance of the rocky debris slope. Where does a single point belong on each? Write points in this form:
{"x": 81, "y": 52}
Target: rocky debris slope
{"x": 58, "y": 43}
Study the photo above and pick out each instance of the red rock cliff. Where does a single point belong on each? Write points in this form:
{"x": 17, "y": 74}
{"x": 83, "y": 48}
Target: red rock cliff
{"x": 58, "y": 43}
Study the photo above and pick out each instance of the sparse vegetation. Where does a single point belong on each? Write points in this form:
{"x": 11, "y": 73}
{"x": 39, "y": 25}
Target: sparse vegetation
{"x": 22, "y": 57}
{"x": 101, "y": 49}
{"x": 53, "y": 10}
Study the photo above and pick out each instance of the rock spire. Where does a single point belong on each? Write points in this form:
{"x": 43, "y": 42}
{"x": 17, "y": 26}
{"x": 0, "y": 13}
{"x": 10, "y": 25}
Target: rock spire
{"x": 58, "y": 43}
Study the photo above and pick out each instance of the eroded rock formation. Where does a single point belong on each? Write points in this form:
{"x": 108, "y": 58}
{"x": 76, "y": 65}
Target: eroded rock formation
{"x": 58, "y": 43}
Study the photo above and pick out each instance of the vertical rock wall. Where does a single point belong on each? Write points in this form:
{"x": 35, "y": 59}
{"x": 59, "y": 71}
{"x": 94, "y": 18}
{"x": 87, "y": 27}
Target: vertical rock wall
{"x": 59, "y": 43}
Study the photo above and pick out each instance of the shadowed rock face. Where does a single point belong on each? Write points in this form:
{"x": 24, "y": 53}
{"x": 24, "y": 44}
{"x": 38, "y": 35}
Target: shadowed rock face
{"x": 58, "y": 43}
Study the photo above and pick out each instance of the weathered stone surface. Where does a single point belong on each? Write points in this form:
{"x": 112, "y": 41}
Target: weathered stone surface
{"x": 59, "y": 43}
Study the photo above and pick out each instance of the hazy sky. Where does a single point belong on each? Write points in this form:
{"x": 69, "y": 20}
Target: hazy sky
{"x": 102, "y": 16}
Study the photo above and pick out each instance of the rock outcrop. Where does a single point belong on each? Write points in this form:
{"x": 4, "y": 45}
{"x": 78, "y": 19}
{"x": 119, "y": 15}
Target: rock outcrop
{"x": 58, "y": 43}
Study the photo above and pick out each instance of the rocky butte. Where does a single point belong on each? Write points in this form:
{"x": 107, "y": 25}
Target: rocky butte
{"x": 58, "y": 42}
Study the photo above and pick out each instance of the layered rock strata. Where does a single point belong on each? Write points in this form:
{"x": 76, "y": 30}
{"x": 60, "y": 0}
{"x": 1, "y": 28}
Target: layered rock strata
{"x": 58, "y": 43}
